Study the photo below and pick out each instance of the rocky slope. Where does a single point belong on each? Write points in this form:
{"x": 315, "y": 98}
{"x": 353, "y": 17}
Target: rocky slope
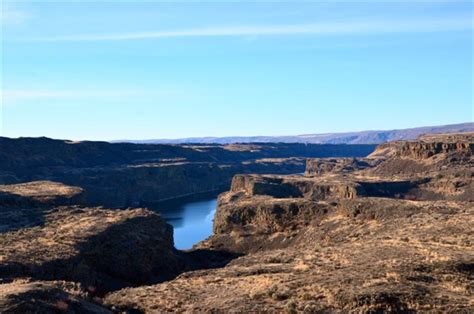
{"x": 343, "y": 238}
{"x": 23, "y": 296}
{"x": 101, "y": 248}
{"x": 60, "y": 257}
{"x": 122, "y": 175}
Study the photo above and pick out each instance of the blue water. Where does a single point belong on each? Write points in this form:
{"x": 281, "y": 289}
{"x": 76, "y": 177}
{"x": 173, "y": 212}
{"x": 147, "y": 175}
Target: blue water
{"x": 191, "y": 219}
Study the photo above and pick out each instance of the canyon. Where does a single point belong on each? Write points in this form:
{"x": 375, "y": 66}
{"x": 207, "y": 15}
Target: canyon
{"x": 122, "y": 175}
{"x": 364, "y": 229}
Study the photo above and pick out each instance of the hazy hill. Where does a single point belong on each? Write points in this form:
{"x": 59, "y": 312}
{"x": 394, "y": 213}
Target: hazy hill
{"x": 363, "y": 137}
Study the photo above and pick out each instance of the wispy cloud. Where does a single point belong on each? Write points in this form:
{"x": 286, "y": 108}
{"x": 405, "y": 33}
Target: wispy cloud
{"x": 432, "y": 25}
{"x": 19, "y": 94}
{"x": 13, "y": 15}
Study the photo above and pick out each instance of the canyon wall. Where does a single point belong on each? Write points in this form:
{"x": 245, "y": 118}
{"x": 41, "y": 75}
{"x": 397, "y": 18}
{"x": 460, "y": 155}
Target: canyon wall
{"x": 121, "y": 175}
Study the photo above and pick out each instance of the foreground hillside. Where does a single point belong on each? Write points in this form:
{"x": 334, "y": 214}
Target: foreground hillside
{"x": 56, "y": 256}
{"x": 392, "y": 232}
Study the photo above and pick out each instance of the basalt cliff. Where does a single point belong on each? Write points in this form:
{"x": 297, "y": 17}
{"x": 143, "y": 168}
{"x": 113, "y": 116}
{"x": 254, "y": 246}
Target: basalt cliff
{"x": 122, "y": 175}
{"x": 388, "y": 232}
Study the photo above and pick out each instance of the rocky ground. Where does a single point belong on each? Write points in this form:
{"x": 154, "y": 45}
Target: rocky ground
{"x": 391, "y": 232}
{"x": 23, "y": 296}
{"x": 343, "y": 238}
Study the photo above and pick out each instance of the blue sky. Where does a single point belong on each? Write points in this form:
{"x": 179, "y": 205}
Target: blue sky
{"x": 142, "y": 70}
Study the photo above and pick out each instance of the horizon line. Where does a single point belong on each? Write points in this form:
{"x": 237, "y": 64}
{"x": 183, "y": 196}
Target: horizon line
{"x": 296, "y": 135}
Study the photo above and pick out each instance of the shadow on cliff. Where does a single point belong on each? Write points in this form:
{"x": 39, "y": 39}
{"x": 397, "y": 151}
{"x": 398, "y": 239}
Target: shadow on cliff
{"x": 397, "y": 189}
{"x": 138, "y": 251}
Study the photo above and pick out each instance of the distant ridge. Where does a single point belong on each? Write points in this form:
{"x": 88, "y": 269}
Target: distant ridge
{"x": 362, "y": 137}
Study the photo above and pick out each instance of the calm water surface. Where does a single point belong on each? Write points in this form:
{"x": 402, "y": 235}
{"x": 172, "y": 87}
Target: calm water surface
{"x": 191, "y": 218}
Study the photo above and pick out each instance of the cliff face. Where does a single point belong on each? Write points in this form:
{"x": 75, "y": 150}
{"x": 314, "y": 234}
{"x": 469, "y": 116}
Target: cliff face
{"x": 121, "y": 175}
{"x": 428, "y": 146}
{"x": 340, "y": 165}
{"x": 295, "y": 186}
{"x": 23, "y": 155}
{"x": 343, "y": 238}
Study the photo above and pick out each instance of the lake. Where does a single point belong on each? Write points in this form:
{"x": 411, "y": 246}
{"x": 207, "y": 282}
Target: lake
{"x": 191, "y": 218}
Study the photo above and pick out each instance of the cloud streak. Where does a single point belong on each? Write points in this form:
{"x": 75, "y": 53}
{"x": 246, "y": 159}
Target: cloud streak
{"x": 343, "y": 28}
{"x": 13, "y": 15}
{"x": 21, "y": 94}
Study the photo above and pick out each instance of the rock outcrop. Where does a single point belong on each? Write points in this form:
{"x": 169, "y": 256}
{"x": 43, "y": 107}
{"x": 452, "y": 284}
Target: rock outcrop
{"x": 102, "y": 249}
{"x": 23, "y": 205}
{"x": 427, "y": 146}
{"x": 38, "y": 194}
{"x": 319, "y": 166}
{"x": 343, "y": 239}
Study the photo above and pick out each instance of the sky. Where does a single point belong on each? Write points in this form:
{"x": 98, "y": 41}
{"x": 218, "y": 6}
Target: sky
{"x": 145, "y": 70}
